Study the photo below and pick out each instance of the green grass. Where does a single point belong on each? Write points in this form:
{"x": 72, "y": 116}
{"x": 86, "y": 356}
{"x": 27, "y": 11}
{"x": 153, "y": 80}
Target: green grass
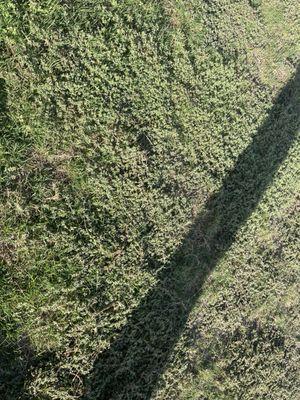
{"x": 122, "y": 123}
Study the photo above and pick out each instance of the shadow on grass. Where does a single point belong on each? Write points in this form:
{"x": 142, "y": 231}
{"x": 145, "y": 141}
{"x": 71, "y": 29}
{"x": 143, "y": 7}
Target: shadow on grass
{"x": 15, "y": 355}
{"x": 15, "y": 362}
{"x": 131, "y": 367}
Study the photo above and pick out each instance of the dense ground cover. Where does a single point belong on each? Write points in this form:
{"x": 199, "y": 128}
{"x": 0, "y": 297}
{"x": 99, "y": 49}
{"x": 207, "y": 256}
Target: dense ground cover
{"x": 149, "y": 206}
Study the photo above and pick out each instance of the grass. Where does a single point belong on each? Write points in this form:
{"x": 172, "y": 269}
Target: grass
{"x": 149, "y": 198}
{"x": 137, "y": 358}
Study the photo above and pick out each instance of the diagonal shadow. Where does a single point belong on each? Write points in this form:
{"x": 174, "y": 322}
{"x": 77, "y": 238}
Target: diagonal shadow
{"x": 131, "y": 367}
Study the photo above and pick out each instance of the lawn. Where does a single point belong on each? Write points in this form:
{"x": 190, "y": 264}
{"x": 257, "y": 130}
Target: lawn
{"x": 149, "y": 203}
